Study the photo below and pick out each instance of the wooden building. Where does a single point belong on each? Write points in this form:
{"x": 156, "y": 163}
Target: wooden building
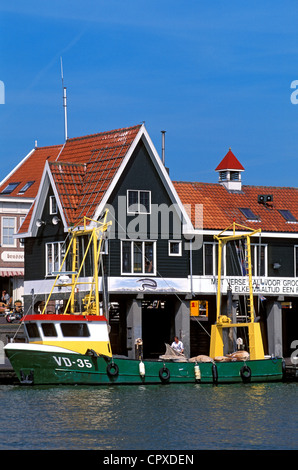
{"x": 160, "y": 258}
{"x": 146, "y": 258}
{"x": 274, "y": 253}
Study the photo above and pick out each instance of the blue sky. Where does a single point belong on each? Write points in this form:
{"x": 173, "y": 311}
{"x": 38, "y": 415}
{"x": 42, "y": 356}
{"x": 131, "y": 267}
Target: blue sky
{"x": 214, "y": 75}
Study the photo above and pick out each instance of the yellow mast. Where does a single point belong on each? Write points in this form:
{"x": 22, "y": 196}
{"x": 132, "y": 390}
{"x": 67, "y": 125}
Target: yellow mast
{"x": 222, "y": 321}
{"x": 95, "y": 236}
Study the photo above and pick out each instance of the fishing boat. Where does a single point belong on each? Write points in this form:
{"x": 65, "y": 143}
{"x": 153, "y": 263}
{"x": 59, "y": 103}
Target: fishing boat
{"x": 73, "y": 346}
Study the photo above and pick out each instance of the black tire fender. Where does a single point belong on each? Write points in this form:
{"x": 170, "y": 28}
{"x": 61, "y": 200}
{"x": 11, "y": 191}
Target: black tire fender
{"x": 214, "y": 373}
{"x": 245, "y": 373}
{"x": 164, "y": 374}
{"x": 112, "y": 369}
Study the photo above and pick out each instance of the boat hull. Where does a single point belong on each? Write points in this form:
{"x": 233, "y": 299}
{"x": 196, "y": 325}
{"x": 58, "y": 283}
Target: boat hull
{"x": 42, "y": 366}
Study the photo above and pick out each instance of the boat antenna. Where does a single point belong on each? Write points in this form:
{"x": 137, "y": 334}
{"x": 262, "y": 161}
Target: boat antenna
{"x": 64, "y": 102}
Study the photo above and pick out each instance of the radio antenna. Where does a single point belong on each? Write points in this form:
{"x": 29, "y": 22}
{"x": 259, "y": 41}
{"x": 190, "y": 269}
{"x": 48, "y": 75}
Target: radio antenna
{"x": 64, "y": 102}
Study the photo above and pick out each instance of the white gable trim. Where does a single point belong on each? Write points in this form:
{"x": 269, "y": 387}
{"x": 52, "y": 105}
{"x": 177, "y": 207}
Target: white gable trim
{"x": 144, "y": 136}
{"x": 40, "y": 201}
{"x": 16, "y": 167}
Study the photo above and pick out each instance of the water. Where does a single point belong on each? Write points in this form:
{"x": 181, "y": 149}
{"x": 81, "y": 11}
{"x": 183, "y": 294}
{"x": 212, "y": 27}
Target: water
{"x": 161, "y": 417}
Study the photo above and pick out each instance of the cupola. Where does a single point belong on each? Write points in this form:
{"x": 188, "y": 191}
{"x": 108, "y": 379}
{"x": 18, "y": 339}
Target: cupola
{"x": 229, "y": 171}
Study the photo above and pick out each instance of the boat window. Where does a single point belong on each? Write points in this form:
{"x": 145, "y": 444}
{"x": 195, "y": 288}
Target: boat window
{"x": 32, "y": 330}
{"x": 48, "y": 329}
{"x": 75, "y": 329}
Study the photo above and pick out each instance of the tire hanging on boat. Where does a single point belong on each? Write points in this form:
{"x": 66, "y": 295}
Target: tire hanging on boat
{"x": 245, "y": 373}
{"x": 112, "y": 370}
{"x": 214, "y": 373}
{"x": 164, "y": 374}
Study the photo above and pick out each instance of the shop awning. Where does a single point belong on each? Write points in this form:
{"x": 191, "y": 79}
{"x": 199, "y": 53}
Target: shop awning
{"x": 11, "y": 272}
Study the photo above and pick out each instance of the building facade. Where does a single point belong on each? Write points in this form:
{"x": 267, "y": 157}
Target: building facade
{"x": 17, "y": 194}
{"x": 160, "y": 257}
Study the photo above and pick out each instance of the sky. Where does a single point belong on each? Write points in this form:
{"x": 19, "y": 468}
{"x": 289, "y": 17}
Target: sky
{"x": 213, "y": 74}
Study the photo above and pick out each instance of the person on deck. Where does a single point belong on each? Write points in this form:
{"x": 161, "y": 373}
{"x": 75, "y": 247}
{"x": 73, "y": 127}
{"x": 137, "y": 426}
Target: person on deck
{"x": 177, "y": 345}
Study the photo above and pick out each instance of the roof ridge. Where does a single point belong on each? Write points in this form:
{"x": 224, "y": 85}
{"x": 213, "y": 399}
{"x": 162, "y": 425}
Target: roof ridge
{"x": 48, "y": 147}
{"x": 113, "y": 131}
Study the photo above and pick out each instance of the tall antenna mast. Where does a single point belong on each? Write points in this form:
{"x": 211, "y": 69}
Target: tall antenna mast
{"x": 64, "y": 102}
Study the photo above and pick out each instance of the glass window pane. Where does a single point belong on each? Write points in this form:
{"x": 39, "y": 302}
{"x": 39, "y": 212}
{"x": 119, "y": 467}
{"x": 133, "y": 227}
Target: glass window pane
{"x": 149, "y": 257}
{"x": 133, "y": 201}
{"x": 75, "y": 329}
{"x": 208, "y": 259}
{"x": 126, "y": 257}
{"x": 137, "y": 257}
{"x": 48, "y": 329}
{"x": 144, "y": 201}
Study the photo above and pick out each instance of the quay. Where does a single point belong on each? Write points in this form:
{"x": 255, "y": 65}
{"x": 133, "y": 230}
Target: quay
{"x": 15, "y": 331}
{"x": 9, "y": 331}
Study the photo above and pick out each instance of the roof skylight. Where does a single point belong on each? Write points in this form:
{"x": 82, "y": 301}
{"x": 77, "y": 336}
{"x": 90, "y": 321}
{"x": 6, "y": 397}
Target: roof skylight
{"x": 287, "y": 215}
{"x": 9, "y": 188}
{"x": 25, "y": 187}
{"x": 248, "y": 214}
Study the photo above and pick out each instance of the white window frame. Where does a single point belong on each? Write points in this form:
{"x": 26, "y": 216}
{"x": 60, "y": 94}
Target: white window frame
{"x": 53, "y": 206}
{"x": 172, "y": 242}
{"x": 143, "y": 272}
{"x": 138, "y": 211}
{"x": 295, "y": 260}
{"x": 3, "y": 226}
{"x": 255, "y": 259}
{"x": 57, "y": 263}
{"x": 21, "y": 239}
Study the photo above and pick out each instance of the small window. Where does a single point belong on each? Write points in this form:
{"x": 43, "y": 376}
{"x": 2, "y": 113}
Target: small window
{"x": 9, "y": 188}
{"x": 8, "y": 230}
{"x": 288, "y": 216}
{"x": 32, "y": 330}
{"x": 53, "y": 205}
{"x": 75, "y": 329}
{"x": 25, "y": 187}
{"x": 48, "y": 329}
{"x": 175, "y": 248}
{"x": 138, "y": 257}
{"x": 248, "y": 214}
{"x": 138, "y": 202}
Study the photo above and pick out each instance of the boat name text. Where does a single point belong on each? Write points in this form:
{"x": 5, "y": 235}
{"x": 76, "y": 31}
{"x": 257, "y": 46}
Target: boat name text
{"x": 68, "y": 363}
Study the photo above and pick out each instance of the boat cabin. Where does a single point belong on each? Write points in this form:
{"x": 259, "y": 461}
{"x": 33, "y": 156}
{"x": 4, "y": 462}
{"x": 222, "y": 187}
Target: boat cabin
{"x": 77, "y": 333}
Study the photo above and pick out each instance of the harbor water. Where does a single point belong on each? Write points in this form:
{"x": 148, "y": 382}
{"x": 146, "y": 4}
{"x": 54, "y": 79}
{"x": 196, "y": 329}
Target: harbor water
{"x": 147, "y": 417}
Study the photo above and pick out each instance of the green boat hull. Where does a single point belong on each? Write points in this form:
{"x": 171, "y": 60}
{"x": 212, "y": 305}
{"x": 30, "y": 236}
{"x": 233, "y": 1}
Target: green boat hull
{"x": 41, "y": 368}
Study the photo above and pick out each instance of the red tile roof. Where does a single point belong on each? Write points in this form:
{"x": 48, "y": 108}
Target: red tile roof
{"x": 83, "y": 170}
{"x": 229, "y": 162}
{"x": 86, "y": 167}
{"x": 30, "y": 169}
{"x": 221, "y": 206}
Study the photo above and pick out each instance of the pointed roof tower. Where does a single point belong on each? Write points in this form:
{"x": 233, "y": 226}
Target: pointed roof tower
{"x": 229, "y": 171}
